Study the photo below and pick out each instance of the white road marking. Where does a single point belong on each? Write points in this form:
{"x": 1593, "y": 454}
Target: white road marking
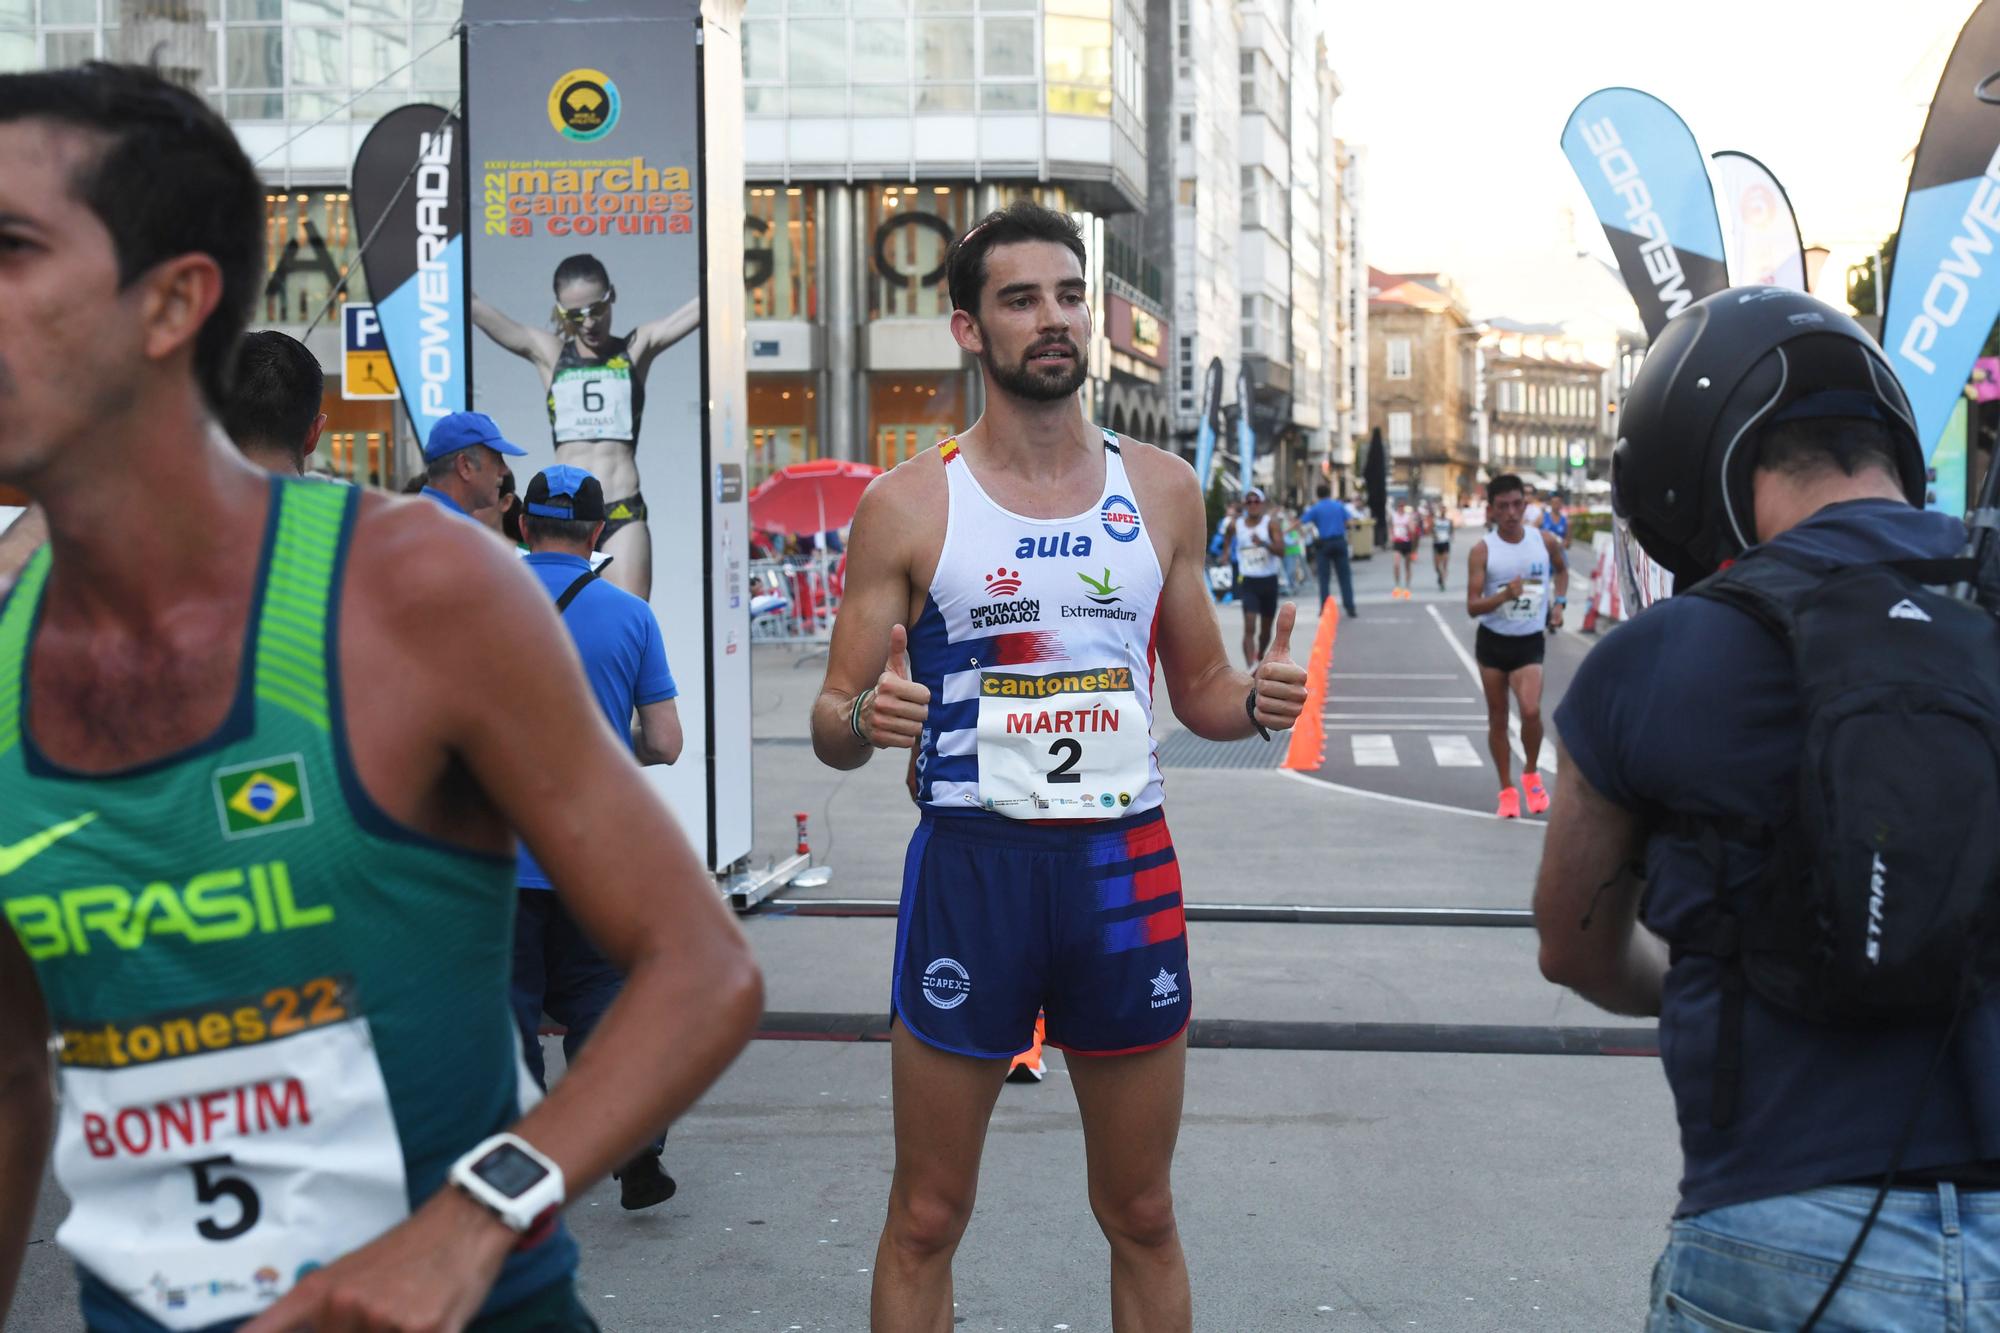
{"x": 1548, "y": 756}
{"x": 1374, "y": 751}
{"x": 1390, "y": 675}
{"x": 1442, "y": 719}
{"x": 1454, "y": 751}
{"x": 1412, "y": 801}
{"x": 1407, "y": 699}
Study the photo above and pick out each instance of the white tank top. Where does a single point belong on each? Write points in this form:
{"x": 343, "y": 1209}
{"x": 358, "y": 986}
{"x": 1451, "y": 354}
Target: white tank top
{"x": 1254, "y": 561}
{"x": 1037, "y": 644}
{"x": 1527, "y": 560}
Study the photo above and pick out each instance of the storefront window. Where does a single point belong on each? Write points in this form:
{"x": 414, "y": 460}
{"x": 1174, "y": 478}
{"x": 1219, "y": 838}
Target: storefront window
{"x": 907, "y": 232}
{"x": 784, "y": 423}
{"x": 908, "y": 414}
{"x": 309, "y": 240}
{"x": 780, "y": 240}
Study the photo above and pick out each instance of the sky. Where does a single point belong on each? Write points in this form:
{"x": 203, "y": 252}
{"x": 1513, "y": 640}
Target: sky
{"x": 1460, "y": 108}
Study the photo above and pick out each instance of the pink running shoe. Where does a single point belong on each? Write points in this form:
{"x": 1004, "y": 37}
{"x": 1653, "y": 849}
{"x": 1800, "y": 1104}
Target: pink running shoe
{"x": 1538, "y": 795}
{"x": 1510, "y": 804}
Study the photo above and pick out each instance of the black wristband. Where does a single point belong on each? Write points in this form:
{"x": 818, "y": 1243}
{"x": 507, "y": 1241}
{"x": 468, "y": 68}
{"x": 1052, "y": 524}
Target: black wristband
{"x": 1250, "y": 711}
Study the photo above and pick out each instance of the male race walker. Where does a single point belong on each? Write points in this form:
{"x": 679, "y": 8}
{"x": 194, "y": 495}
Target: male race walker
{"x": 1507, "y": 590}
{"x": 1019, "y": 638}
{"x": 265, "y": 902}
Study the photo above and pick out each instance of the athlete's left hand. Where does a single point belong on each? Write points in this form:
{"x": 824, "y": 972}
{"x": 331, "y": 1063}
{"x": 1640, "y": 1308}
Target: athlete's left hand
{"x": 1555, "y": 618}
{"x": 1280, "y": 682}
{"x": 428, "y": 1275}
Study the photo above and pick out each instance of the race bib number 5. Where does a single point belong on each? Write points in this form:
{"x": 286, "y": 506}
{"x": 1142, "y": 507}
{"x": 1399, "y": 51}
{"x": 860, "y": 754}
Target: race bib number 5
{"x": 1071, "y": 745}
{"x": 217, "y": 1154}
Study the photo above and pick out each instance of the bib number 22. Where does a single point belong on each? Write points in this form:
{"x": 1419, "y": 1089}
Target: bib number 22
{"x": 214, "y": 1188}
{"x": 1061, "y": 772}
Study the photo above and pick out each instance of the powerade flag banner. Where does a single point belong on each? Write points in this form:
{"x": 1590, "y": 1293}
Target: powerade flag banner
{"x": 1211, "y": 418}
{"x": 1768, "y": 249}
{"x": 1944, "y": 290}
{"x": 1649, "y": 184}
{"x": 410, "y": 177}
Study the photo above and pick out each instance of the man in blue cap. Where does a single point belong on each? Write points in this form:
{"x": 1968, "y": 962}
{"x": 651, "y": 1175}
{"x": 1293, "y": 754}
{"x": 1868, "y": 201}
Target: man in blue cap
{"x": 463, "y": 468}
{"x": 556, "y": 967}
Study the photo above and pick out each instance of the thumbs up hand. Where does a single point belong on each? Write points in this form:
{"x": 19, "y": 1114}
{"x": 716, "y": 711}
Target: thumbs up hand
{"x": 893, "y": 713}
{"x": 1278, "y": 685}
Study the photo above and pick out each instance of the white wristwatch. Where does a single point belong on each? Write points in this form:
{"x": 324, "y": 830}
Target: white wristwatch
{"x": 513, "y": 1180}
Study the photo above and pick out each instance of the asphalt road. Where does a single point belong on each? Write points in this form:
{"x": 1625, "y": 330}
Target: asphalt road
{"x": 1342, "y": 1189}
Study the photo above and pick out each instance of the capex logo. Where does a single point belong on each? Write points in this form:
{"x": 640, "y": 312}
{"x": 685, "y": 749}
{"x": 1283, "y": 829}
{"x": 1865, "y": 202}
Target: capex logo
{"x": 583, "y": 105}
{"x": 1005, "y": 583}
{"x": 1121, "y": 518}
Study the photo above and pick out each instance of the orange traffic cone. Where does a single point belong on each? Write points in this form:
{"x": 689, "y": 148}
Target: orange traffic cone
{"x": 1027, "y": 1066}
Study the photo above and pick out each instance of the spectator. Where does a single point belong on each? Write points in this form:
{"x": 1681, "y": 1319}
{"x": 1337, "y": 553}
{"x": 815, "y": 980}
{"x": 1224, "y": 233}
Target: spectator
{"x": 556, "y": 967}
{"x": 1329, "y": 518}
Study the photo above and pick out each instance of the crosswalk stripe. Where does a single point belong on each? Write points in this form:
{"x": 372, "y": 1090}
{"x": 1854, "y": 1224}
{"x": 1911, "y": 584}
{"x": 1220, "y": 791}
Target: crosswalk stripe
{"x": 1454, "y": 752}
{"x": 1374, "y": 751}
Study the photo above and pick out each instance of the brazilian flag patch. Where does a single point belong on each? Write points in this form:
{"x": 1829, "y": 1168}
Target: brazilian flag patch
{"x": 262, "y": 796}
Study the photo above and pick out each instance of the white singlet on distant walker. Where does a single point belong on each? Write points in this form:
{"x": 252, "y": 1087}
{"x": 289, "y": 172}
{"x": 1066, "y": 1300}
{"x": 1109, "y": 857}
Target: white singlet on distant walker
{"x": 1037, "y": 644}
{"x": 1252, "y": 560}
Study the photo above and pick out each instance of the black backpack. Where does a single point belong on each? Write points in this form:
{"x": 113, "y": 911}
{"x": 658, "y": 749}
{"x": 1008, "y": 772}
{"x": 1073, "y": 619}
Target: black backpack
{"x": 1881, "y": 893}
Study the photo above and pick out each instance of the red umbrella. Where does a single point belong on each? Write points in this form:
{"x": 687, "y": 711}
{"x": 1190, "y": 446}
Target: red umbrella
{"x": 810, "y": 497}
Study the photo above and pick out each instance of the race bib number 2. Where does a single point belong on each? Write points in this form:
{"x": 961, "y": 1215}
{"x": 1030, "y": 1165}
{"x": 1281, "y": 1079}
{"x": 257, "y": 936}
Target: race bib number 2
{"x": 1072, "y": 745}
{"x": 1528, "y": 606}
{"x": 216, "y": 1155}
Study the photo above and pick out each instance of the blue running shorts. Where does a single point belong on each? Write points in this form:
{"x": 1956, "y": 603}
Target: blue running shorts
{"x": 1001, "y": 919}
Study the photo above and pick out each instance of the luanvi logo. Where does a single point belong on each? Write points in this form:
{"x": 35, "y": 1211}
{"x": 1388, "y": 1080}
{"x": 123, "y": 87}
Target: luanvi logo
{"x": 1656, "y": 248}
{"x": 1987, "y": 90}
{"x": 1908, "y": 610}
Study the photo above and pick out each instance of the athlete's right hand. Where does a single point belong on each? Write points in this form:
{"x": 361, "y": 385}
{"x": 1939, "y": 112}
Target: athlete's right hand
{"x": 428, "y": 1275}
{"x": 1513, "y": 589}
{"x": 897, "y": 708}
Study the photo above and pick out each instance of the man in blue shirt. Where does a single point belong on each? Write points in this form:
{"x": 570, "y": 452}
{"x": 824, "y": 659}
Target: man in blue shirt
{"x": 556, "y": 967}
{"x": 1329, "y": 518}
{"x": 463, "y": 466}
{"x": 1765, "y": 419}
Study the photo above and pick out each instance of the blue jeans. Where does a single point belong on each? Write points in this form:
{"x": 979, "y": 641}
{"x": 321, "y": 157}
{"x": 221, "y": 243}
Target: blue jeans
{"x": 1332, "y": 554}
{"x": 1931, "y": 1262}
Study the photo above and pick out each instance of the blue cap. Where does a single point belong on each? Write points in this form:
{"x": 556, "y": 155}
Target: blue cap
{"x": 462, "y": 430}
{"x": 565, "y": 492}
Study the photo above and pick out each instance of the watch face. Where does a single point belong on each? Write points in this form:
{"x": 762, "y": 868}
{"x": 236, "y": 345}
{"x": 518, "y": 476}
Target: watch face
{"x": 509, "y": 1170}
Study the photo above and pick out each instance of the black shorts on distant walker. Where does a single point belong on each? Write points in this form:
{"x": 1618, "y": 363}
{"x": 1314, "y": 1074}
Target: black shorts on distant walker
{"x": 1258, "y": 596}
{"x": 1508, "y": 653}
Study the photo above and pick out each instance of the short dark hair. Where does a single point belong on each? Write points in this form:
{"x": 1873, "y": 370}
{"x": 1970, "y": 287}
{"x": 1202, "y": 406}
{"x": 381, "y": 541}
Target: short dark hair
{"x": 581, "y": 266}
{"x": 1323, "y": 491}
{"x": 574, "y": 531}
{"x": 1022, "y": 220}
{"x": 169, "y": 180}
{"x": 276, "y": 394}
{"x": 1850, "y": 445}
{"x": 1505, "y": 484}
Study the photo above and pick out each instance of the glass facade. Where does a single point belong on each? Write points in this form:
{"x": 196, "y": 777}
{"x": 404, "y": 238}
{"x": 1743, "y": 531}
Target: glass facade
{"x": 907, "y": 231}
{"x": 905, "y": 57}
{"x": 784, "y": 422}
{"x": 266, "y": 60}
{"x": 781, "y": 252}
{"x": 909, "y": 413}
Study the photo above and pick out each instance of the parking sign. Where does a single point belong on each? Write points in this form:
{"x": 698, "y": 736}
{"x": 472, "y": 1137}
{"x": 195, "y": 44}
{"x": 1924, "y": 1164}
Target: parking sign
{"x": 365, "y": 371}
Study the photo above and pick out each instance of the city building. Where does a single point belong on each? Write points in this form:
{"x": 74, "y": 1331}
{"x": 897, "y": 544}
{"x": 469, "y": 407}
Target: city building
{"x": 1350, "y": 322}
{"x": 302, "y": 82}
{"x": 1544, "y": 400}
{"x": 1265, "y": 238}
{"x": 1422, "y": 382}
{"x": 873, "y": 141}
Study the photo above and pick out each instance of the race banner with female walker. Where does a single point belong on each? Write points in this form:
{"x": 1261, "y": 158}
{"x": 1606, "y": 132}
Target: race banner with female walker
{"x": 605, "y": 173}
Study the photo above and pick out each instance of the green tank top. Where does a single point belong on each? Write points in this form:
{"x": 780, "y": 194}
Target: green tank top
{"x": 283, "y": 1015}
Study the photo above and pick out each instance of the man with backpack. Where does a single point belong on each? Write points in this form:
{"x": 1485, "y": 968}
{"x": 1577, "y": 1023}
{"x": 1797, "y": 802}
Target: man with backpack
{"x": 556, "y": 967}
{"x": 1797, "y": 759}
